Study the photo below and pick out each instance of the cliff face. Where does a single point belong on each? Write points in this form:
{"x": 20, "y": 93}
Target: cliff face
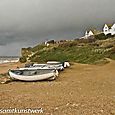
{"x": 79, "y": 50}
{"x": 25, "y": 52}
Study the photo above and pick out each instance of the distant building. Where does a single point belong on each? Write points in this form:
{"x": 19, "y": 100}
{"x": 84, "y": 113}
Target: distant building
{"x": 113, "y": 30}
{"x": 61, "y": 41}
{"x": 88, "y": 34}
{"x": 108, "y": 29}
{"x": 47, "y": 43}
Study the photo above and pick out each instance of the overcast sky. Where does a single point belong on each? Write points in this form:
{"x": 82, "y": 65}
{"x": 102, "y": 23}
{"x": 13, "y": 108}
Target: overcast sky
{"x": 26, "y": 23}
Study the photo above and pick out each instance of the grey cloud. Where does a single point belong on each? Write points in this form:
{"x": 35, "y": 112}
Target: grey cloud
{"x": 32, "y": 21}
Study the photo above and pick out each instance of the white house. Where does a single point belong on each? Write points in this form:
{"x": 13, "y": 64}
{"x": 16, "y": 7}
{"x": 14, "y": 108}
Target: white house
{"x": 88, "y": 34}
{"x": 113, "y": 30}
{"x": 46, "y": 43}
{"x": 109, "y": 29}
{"x": 106, "y": 29}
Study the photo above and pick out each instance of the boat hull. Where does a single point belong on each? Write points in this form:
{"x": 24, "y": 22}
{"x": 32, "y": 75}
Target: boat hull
{"x": 51, "y": 75}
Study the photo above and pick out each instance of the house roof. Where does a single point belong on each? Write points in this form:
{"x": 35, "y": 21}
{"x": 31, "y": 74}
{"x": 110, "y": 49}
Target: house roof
{"x": 94, "y": 31}
{"x": 109, "y": 25}
{"x": 113, "y": 26}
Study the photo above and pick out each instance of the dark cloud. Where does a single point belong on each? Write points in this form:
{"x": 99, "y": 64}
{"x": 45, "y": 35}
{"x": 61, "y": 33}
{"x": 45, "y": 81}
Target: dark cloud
{"x": 28, "y": 22}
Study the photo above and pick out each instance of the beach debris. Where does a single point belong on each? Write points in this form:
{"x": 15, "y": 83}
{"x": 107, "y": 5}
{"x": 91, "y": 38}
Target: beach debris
{"x": 4, "y": 78}
{"x": 75, "y": 105}
{"x": 67, "y": 104}
{"x": 101, "y": 110}
{"x": 112, "y": 112}
{"x": 56, "y": 108}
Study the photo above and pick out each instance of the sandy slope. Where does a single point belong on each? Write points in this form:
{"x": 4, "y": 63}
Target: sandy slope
{"x": 79, "y": 90}
{"x": 6, "y": 66}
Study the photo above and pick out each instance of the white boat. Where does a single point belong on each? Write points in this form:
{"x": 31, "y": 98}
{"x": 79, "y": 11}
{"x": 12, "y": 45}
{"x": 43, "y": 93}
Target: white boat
{"x": 64, "y": 64}
{"x": 35, "y": 67}
{"x": 43, "y": 66}
{"x": 53, "y": 62}
{"x": 33, "y": 75}
{"x": 50, "y": 66}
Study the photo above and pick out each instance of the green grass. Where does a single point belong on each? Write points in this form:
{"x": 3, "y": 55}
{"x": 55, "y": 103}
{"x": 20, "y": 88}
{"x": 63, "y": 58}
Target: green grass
{"x": 38, "y": 47}
{"x": 73, "y": 52}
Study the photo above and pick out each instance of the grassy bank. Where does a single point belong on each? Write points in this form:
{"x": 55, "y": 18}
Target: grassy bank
{"x": 88, "y": 51}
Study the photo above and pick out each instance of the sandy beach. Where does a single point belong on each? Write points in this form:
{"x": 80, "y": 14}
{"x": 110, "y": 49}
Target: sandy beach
{"x": 6, "y": 66}
{"x": 81, "y": 89}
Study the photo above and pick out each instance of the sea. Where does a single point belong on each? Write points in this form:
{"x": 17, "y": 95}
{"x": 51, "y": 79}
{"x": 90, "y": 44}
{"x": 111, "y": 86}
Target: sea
{"x": 8, "y": 59}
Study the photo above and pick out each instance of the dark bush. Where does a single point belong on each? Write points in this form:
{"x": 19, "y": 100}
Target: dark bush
{"x": 102, "y": 36}
{"x": 23, "y": 59}
{"x": 112, "y": 53}
{"x": 90, "y": 39}
{"x": 113, "y": 50}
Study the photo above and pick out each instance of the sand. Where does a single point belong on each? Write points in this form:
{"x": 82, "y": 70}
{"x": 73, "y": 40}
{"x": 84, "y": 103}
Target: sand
{"x": 81, "y": 89}
{"x": 6, "y": 66}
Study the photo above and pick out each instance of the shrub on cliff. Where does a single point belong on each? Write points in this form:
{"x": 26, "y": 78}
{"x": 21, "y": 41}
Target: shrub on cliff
{"x": 23, "y": 59}
{"x": 102, "y": 36}
{"x": 112, "y": 53}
